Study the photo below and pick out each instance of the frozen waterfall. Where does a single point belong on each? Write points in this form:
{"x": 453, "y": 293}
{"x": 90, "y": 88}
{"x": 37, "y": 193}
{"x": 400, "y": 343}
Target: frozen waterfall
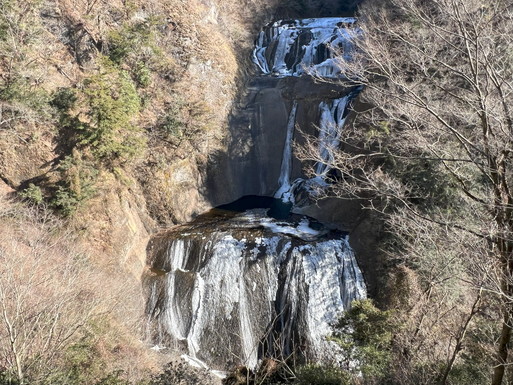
{"x": 247, "y": 287}
{"x": 332, "y": 118}
{"x": 309, "y": 46}
{"x": 250, "y": 280}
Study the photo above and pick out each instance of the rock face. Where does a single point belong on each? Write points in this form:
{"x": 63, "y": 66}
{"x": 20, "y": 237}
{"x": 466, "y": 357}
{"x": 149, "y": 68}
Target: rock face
{"x": 252, "y": 163}
{"x": 230, "y": 289}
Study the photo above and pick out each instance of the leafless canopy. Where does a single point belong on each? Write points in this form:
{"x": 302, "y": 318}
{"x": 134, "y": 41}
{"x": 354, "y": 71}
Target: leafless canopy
{"x": 431, "y": 145}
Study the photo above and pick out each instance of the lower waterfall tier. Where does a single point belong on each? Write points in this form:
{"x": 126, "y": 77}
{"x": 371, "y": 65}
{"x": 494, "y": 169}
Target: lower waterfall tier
{"x": 231, "y": 288}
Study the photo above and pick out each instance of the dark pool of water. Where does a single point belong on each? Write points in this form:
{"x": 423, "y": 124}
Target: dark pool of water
{"x": 277, "y": 208}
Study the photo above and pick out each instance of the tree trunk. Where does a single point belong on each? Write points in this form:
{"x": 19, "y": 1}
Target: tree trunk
{"x": 505, "y": 338}
{"x": 502, "y": 353}
{"x": 459, "y": 339}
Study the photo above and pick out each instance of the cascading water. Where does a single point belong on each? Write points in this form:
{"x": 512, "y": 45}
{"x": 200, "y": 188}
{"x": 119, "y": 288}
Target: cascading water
{"x": 297, "y": 47}
{"x": 233, "y": 287}
{"x": 286, "y": 163}
{"x": 332, "y": 121}
{"x": 333, "y": 116}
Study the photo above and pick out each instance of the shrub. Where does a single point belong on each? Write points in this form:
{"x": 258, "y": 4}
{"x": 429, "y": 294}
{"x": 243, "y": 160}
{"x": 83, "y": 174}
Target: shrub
{"x": 64, "y": 99}
{"x": 65, "y": 200}
{"x": 102, "y": 123}
{"x": 322, "y": 375}
{"x": 129, "y": 38}
{"x": 142, "y": 75}
{"x": 77, "y": 180}
{"x": 97, "y": 131}
{"x": 114, "y": 378}
{"x": 33, "y": 194}
{"x": 112, "y": 102}
{"x": 7, "y": 378}
{"x": 136, "y": 46}
{"x": 365, "y": 334}
{"x": 84, "y": 364}
{"x": 21, "y": 32}
{"x": 28, "y": 103}
{"x": 171, "y": 125}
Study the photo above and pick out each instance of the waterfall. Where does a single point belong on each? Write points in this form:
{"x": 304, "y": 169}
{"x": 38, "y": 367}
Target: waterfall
{"x": 283, "y": 191}
{"x": 248, "y": 287}
{"x": 295, "y": 48}
{"x": 237, "y": 284}
{"x": 332, "y": 121}
{"x": 298, "y": 47}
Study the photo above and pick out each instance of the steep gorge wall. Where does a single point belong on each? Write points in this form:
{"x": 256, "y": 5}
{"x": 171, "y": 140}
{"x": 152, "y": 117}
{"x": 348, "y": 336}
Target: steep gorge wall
{"x": 251, "y": 164}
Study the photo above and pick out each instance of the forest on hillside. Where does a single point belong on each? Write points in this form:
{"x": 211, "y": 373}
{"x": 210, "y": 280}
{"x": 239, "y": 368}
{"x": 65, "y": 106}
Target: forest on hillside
{"x": 430, "y": 149}
{"x": 110, "y": 111}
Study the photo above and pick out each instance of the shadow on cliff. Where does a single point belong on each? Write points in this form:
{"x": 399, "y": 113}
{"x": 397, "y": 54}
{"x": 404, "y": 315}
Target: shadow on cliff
{"x": 316, "y": 8}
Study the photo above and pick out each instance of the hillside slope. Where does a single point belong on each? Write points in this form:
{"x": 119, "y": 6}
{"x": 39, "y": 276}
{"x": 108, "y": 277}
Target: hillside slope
{"x": 108, "y": 110}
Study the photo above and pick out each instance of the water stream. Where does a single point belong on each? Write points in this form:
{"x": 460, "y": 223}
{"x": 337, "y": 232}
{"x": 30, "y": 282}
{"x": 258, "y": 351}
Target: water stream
{"x": 283, "y": 191}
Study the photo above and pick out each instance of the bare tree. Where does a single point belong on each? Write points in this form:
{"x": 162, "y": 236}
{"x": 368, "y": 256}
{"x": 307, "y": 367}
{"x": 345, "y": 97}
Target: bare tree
{"x": 45, "y": 297}
{"x": 436, "y": 138}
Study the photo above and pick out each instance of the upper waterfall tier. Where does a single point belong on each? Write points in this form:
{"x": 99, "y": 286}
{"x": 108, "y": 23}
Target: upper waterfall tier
{"x": 297, "y": 47}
